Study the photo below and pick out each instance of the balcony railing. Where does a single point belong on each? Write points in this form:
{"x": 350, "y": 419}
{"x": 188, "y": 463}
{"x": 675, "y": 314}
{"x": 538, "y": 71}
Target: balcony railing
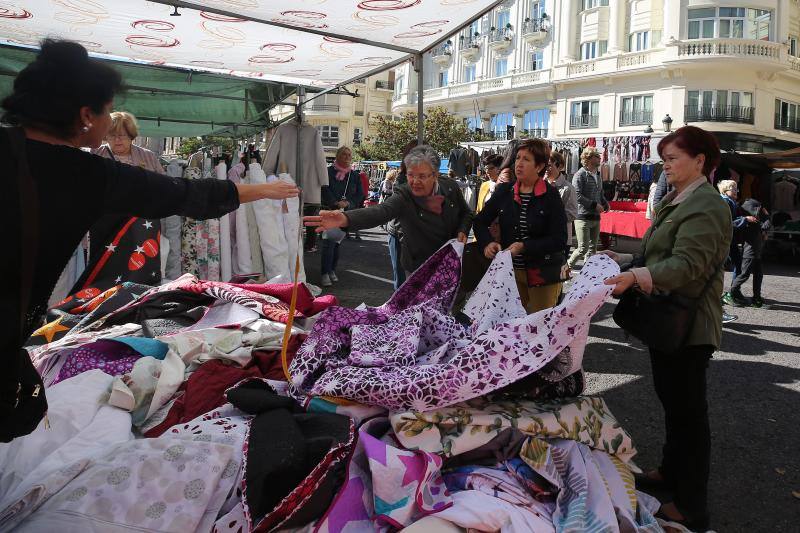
{"x": 385, "y": 85}
{"x": 583, "y": 121}
{"x": 536, "y": 133}
{"x": 635, "y": 118}
{"x": 719, "y": 113}
{"x": 533, "y": 26}
{"x": 330, "y": 142}
{"x": 499, "y": 135}
{"x": 442, "y": 50}
{"x": 785, "y": 123}
{"x": 469, "y": 43}
{"x": 739, "y": 48}
{"x": 500, "y": 35}
{"x": 325, "y": 107}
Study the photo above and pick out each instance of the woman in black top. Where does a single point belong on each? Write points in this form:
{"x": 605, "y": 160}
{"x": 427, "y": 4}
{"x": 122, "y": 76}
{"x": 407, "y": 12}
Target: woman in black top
{"x": 532, "y": 227}
{"x": 55, "y": 192}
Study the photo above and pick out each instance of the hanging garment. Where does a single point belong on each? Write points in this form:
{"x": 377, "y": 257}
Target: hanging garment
{"x": 605, "y": 141}
{"x": 620, "y": 172}
{"x": 171, "y": 232}
{"x": 200, "y": 238}
{"x": 457, "y": 161}
{"x": 69, "y": 276}
{"x": 634, "y": 172}
{"x": 283, "y": 151}
{"x": 224, "y": 232}
{"x": 481, "y": 356}
{"x": 647, "y": 173}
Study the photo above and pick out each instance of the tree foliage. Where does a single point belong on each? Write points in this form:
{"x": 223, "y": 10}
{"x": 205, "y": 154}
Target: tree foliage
{"x": 190, "y": 145}
{"x": 442, "y": 130}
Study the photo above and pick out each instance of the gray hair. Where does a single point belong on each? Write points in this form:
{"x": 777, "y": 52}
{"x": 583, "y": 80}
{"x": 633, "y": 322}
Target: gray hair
{"x": 423, "y": 154}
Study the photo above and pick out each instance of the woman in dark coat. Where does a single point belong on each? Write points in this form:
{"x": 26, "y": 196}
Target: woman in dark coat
{"x": 55, "y": 192}
{"x": 429, "y": 210}
{"x": 533, "y": 227}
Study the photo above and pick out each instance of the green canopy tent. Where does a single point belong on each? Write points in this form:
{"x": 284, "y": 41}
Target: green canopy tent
{"x": 170, "y": 102}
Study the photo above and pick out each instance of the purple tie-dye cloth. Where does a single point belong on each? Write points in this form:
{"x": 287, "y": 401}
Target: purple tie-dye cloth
{"x": 450, "y": 364}
{"x": 112, "y": 357}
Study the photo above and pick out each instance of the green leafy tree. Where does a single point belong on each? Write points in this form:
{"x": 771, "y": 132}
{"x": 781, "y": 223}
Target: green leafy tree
{"x": 442, "y": 130}
{"x": 190, "y": 145}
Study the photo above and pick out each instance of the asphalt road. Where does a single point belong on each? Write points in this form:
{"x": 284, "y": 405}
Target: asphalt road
{"x": 753, "y": 388}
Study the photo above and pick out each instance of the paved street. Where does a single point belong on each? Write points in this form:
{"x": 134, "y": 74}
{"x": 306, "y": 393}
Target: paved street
{"x": 754, "y": 389}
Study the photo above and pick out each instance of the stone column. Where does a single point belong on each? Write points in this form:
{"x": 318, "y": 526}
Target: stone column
{"x": 568, "y": 29}
{"x": 672, "y": 21}
{"x": 616, "y": 26}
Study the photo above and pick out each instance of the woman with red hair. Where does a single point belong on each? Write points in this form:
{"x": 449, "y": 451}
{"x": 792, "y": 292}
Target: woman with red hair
{"x": 683, "y": 253}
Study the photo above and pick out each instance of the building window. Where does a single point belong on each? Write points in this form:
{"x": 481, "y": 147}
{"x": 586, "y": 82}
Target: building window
{"x": 589, "y": 4}
{"x": 636, "y": 110}
{"x": 537, "y": 60}
{"x": 585, "y": 114}
{"x": 442, "y": 78}
{"x": 473, "y": 123}
{"x": 729, "y": 23}
{"x": 500, "y": 67}
{"x": 537, "y": 10}
{"x": 356, "y": 135}
{"x": 473, "y": 29}
{"x": 329, "y": 135}
{"x": 593, "y": 49}
{"x": 638, "y": 41}
{"x": 469, "y": 73}
{"x": 787, "y": 116}
{"x": 793, "y": 46}
{"x": 536, "y": 123}
{"x": 503, "y": 18}
{"x": 399, "y": 86}
{"x": 499, "y": 125}
{"x": 719, "y": 106}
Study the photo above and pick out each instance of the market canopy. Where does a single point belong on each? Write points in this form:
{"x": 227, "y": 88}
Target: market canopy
{"x": 173, "y": 103}
{"x": 322, "y": 43}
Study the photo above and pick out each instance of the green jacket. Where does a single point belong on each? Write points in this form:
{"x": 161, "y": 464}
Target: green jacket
{"x": 687, "y": 243}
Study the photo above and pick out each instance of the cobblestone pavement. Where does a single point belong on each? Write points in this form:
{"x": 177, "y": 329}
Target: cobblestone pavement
{"x": 753, "y": 388}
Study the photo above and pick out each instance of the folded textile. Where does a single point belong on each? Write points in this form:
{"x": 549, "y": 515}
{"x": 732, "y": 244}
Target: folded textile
{"x": 145, "y": 346}
{"x": 491, "y": 356}
{"x": 294, "y": 460}
{"x": 460, "y": 428}
{"x": 475, "y": 510}
{"x": 113, "y": 358}
{"x": 492, "y": 481}
{"x": 387, "y": 487}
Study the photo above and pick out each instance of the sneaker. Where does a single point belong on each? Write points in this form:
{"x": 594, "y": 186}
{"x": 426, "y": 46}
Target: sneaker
{"x": 333, "y": 277}
{"x": 757, "y": 302}
{"x": 326, "y": 281}
{"x": 727, "y": 319}
{"x": 727, "y": 299}
{"x": 739, "y": 300}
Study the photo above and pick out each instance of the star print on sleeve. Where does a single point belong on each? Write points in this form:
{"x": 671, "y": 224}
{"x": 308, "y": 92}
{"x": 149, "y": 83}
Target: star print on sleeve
{"x": 147, "y": 224}
{"x": 139, "y": 250}
{"x": 111, "y": 247}
{"x": 48, "y": 331}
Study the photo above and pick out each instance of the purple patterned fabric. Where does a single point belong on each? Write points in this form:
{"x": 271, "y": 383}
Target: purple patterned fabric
{"x": 112, "y": 357}
{"x": 387, "y": 487}
{"x": 499, "y": 348}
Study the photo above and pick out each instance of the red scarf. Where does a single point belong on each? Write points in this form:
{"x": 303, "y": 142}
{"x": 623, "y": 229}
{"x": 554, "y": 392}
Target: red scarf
{"x": 341, "y": 172}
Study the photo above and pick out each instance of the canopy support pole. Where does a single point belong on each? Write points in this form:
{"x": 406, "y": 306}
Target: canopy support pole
{"x": 417, "y": 63}
{"x": 301, "y": 96}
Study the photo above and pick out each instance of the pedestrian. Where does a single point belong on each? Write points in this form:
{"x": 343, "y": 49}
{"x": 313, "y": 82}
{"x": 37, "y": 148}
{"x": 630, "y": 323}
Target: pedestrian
{"x": 491, "y": 165}
{"x": 533, "y": 227}
{"x": 556, "y": 177}
{"x": 591, "y": 203}
{"x": 343, "y": 192}
{"x": 55, "y": 192}
{"x": 387, "y": 186}
{"x": 729, "y": 190}
{"x": 430, "y": 210}
{"x": 754, "y": 231}
{"x": 683, "y": 254}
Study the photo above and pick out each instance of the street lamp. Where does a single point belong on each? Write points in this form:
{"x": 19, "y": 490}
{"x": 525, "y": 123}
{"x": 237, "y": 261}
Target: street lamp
{"x": 667, "y": 122}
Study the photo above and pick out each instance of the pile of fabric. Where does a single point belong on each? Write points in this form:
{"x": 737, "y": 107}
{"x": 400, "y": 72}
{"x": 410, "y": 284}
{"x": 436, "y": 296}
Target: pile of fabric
{"x": 171, "y": 410}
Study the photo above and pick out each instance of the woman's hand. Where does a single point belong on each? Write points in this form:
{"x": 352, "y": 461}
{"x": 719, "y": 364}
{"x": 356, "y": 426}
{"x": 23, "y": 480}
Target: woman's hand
{"x": 614, "y": 256}
{"x": 491, "y": 250}
{"x": 622, "y": 282}
{"x": 462, "y": 237}
{"x": 505, "y": 176}
{"x": 344, "y": 204}
{"x": 516, "y": 248}
{"x": 277, "y": 190}
{"x": 326, "y": 220}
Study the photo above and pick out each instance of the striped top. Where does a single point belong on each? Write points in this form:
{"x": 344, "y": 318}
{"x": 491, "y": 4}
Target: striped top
{"x": 521, "y": 230}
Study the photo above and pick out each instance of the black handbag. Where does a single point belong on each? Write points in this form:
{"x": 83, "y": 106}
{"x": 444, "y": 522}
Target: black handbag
{"x": 663, "y": 321}
{"x": 22, "y": 397}
{"x": 546, "y": 270}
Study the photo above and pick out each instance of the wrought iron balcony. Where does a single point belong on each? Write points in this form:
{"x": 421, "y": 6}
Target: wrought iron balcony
{"x": 535, "y": 133}
{"x": 635, "y": 118}
{"x": 719, "y": 113}
{"x": 500, "y": 38}
{"x": 442, "y": 53}
{"x": 786, "y": 123}
{"x": 385, "y": 85}
{"x": 534, "y": 31}
{"x": 325, "y": 107}
{"x": 470, "y": 47}
{"x": 583, "y": 121}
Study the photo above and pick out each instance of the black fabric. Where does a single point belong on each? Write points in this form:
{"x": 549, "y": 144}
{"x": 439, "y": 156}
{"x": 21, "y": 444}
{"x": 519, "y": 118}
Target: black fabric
{"x": 537, "y": 387}
{"x": 680, "y": 383}
{"x": 457, "y": 161}
{"x": 75, "y": 189}
{"x": 285, "y": 444}
{"x": 546, "y": 221}
{"x": 751, "y": 265}
{"x": 347, "y": 189}
{"x": 165, "y": 312}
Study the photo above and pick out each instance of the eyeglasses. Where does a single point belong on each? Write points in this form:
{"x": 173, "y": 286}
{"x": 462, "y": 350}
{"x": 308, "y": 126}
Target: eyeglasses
{"x": 420, "y": 177}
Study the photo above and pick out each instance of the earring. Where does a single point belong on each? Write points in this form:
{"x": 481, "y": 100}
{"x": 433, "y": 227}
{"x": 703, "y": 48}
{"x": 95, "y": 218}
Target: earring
{"x": 85, "y": 129}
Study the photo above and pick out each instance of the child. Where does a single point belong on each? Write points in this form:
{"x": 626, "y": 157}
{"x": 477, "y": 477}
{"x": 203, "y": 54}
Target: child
{"x": 754, "y": 236}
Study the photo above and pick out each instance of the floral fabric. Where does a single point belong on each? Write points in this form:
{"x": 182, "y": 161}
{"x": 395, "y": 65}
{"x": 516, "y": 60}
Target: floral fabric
{"x": 497, "y": 350}
{"x": 467, "y": 426}
{"x": 112, "y": 357}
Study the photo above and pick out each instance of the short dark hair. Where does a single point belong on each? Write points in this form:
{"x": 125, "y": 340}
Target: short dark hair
{"x": 50, "y": 92}
{"x": 694, "y": 141}
{"x": 539, "y": 149}
{"x": 558, "y": 159}
{"x": 494, "y": 160}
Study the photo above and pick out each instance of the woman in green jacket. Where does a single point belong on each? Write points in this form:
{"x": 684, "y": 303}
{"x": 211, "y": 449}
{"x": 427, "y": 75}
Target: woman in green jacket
{"x": 684, "y": 249}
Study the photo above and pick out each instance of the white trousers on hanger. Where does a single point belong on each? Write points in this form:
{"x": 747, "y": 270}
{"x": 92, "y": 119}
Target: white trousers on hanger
{"x": 274, "y": 250}
{"x": 224, "y": 233}
{"x": 291, "y": 231}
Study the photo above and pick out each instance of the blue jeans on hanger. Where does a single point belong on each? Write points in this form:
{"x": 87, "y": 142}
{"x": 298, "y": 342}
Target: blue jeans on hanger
{"x": 398, "y": 274}
{"x": 330, "y": 255}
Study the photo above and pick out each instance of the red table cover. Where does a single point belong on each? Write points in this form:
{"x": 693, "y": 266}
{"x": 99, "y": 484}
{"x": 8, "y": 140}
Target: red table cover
{"x": 625, "y": 218}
